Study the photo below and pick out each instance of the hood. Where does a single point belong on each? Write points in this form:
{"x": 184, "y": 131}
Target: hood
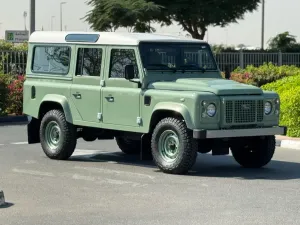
{"x": 212, "y": 85}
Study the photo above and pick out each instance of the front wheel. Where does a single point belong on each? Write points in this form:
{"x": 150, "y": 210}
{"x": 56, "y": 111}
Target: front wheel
{"x": 173, "y": 148}
{"x": 58, "y": 137}
{"x": 256, "y": 153}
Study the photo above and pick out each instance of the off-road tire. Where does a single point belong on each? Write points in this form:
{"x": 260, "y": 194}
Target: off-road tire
{"x": 68, "y": 140}
{"x": 257, "y": 155}
{"x": 187, "y": 151}
{"x": 129, "y": 146}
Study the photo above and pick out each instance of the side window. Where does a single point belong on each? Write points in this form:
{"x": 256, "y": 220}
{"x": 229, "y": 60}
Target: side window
{"x": 51, "y": 59}
{"x": 119, "y": 59}
{"x": 89, "y": 61}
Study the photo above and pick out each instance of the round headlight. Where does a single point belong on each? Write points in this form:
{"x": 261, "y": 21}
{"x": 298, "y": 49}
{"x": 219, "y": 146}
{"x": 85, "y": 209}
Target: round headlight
{"x": 268, "y": 108}
{"x": 211, "y": 110}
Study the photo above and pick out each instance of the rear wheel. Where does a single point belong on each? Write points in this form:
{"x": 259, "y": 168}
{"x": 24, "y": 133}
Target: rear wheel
{"x": 58, "y": 137}
{"x": 128, "y": 146}
{"x": 256, "y": 153}
{"x": 173, "y": 148}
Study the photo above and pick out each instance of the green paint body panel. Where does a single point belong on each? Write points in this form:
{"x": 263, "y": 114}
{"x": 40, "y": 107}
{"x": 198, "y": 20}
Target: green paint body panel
{"x": 118, "y": 104}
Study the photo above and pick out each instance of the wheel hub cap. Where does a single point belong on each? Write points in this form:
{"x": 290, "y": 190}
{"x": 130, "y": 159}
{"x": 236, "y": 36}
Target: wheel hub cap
{"x": 52, "y": 135}
{"x": 168, "y": 145}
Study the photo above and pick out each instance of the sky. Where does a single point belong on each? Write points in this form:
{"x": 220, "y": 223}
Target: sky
{"x": 280, "y": 16}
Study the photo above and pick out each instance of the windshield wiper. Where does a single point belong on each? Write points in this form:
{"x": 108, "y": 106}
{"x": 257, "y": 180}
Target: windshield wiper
{"x": 191, "y": 66}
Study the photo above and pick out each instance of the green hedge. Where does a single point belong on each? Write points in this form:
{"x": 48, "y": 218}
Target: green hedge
{"x": 289, "y": 91}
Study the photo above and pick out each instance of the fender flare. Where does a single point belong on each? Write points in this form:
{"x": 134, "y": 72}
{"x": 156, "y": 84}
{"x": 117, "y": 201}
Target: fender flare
{"x": 62, "y": 101}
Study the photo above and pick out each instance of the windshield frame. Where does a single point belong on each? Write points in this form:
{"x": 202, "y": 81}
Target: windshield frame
{"x": 182, "y": 44}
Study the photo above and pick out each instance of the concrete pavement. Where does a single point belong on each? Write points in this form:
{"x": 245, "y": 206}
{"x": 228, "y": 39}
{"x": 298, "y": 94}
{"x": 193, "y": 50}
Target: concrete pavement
{"x": 100, "y": 185}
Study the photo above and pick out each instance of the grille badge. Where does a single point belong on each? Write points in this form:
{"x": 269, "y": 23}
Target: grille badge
{"x": 246, "y": 106}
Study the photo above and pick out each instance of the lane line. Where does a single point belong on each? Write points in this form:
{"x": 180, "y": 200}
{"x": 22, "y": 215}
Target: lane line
{"x": 19, "y": 143}
{"x": 107, "y": 180}
{"x": 92, "y": 153}
{"x": 33, "y": 172}
{"x": 119, "y": 172}
{"x": 81, "y": 177}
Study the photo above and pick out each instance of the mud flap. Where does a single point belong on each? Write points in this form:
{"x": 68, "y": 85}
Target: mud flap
{"x": 145, "y": 153}
{"x": 33, "y": 128}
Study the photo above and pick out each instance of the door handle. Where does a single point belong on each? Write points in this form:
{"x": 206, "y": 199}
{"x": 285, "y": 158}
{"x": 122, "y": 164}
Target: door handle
{"x": 110, "y": 98}
{"x": 77, "y": 95}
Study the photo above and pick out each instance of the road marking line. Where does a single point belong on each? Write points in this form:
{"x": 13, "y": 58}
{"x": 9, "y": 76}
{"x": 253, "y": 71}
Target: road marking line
{"x": 80, "y": 177}
{"x": 20, "y": 143}
{"x": 108, "y": 171}
{"x": 33, "y": 172}
{"x": 30, "y": 161}
{"x": 92, "y": 153}
{"x": 107, "y": 181}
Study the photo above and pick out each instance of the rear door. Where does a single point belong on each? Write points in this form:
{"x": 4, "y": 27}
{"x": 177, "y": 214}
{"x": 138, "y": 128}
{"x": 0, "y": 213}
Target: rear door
{"x": 85, "y": 91}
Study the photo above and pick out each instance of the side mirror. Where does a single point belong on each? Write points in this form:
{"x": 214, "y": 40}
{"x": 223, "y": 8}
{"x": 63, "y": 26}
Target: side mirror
{"x": 129, "y": 72}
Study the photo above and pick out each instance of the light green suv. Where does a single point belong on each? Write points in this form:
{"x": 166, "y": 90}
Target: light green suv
{"x": 159, "y": 96}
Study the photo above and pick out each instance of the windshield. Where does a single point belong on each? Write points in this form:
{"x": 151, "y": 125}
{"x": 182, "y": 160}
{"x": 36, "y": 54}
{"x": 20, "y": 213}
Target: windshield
{"x": 177, "y": 56}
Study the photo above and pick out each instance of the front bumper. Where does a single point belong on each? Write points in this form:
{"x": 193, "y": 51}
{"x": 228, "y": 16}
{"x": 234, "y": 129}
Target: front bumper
{"x": 210, "y": 134}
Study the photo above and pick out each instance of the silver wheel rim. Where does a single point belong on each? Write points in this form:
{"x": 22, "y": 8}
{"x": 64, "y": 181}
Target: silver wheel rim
{"x": 168, "y": 146}
{"x": 52, "y": 135}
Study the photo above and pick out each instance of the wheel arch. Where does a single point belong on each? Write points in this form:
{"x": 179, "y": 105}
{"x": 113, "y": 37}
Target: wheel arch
{"x": 53, "y": 101}
{"x": 170, "y": 109}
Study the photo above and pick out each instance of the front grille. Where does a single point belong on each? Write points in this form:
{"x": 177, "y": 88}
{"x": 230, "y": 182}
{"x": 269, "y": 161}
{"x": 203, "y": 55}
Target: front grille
{"x": 244, "y": 111}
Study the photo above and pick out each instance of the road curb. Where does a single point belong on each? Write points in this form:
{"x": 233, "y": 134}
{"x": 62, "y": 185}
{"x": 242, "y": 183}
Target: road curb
{"x": 11, "y": 120}
{"x": 292, "y": 144}
{"x": 2, "y": 199}
{"x": 288, "y": 142}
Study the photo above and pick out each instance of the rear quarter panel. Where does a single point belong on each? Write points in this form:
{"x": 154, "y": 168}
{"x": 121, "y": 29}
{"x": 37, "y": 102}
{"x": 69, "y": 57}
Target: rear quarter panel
{"x": 47, "y": 86}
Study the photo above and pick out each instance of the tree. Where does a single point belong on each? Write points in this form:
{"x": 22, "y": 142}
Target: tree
{"x": 109, "y": 15}
{"x": 282, "y": 41}
{"x": 194, "y": 16}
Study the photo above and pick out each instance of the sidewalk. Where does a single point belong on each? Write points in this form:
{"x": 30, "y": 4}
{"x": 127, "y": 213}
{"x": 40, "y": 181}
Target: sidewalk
{"x": 288, "y": 142}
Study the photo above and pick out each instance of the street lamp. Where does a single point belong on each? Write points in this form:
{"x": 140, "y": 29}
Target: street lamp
{"x": 32, "y": 16}
{"x": 25, "y": 16}
{"x": 61, "y": 15}
{"x": 263, "y": 25}
{"x": 0, "y": 30}
{"x": 52, "y": 17}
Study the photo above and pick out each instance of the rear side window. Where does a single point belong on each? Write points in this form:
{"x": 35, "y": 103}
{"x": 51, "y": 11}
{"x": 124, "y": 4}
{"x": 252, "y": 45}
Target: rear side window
{"x": 51, "y": 60}
{"x": 89, "y": 61}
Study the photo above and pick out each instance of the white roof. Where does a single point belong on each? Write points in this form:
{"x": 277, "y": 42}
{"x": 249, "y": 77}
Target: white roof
{"x": 107, "y": 38}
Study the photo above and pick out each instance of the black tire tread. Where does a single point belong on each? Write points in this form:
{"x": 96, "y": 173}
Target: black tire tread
{"x": 190, "y": 146}
{"x": 130, "y": 147}
{"x": 69, "y": 142}
{"x": 264, "y": 153}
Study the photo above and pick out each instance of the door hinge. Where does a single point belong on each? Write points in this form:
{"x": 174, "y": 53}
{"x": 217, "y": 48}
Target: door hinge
{"x": 99, "y": 116}
{"x": 102, "y": 83}
{"x": 139, "y": 120}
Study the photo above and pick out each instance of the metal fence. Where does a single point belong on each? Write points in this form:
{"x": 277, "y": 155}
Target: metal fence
{"x": 242, "y": 59}
{"x": 14, "y": 62}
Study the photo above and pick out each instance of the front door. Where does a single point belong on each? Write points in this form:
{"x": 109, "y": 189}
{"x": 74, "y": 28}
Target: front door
{"x": 120, "y": 97}
{"x": 85, "y": 90}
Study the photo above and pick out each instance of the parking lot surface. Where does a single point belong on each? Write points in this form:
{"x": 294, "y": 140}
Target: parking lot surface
{"x": 101, "y": 185}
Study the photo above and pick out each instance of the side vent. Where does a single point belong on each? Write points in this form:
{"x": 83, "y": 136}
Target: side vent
{"x": 147, "y": 100}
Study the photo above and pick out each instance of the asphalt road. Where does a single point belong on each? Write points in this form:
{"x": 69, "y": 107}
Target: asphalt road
{"x": 100, "y": 185}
